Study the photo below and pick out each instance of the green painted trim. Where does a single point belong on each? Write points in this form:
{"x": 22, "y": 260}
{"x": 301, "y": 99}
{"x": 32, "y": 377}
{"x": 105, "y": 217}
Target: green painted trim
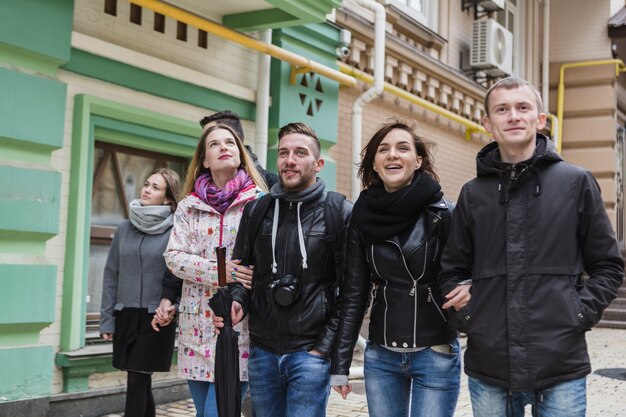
{"x": 18, "y": 57}
{"x": 261, "y": 19}
{"x": 136, "y": 136}
{"x": 24, "y": 242}
{"x": 76, "y": 370}
{"x": 20, "y": 334}
{"x": 156, "y": 84}
{"x": 125, "y": 125}
{"x": 11, "y": 149}
{"x": 76, "y": 253}
{"x": 311, "y": 10}
{"x": 78, "y": 366}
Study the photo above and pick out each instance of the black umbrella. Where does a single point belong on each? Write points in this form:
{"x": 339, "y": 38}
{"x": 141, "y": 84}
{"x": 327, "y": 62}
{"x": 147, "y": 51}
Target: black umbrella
{"x": 227, "y": 384}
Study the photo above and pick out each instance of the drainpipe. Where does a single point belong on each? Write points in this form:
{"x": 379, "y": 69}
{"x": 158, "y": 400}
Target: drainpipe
{"x": 545, "y": 70}
{"x": 263, "y": 101}
{"x": 370, "y": 94}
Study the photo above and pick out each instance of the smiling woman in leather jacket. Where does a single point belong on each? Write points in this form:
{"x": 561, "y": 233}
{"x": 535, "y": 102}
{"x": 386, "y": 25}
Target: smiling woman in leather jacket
{"x": 398, "y": 229}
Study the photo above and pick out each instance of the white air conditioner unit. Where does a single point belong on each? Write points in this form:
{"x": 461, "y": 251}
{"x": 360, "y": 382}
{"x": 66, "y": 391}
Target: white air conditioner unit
{"x": 491, "y": 5}
{"x": 492, "y": 48}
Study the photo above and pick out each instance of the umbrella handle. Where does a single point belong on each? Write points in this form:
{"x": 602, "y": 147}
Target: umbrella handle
{"x": 220, "y": 251}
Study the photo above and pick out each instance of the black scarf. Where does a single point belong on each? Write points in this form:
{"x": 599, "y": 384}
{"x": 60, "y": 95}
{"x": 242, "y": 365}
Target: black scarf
{"x": 380, "y": 215}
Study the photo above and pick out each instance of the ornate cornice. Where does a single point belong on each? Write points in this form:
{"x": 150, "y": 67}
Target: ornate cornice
{"x": 410, "y": 65}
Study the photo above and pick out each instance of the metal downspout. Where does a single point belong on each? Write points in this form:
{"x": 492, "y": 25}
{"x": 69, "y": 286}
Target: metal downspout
{"x": 196, "y": 21}
{"x": 370, "y": 94}
{"x": 263, "y": 101}
{"x": 619, "y": 67}
{"x": 545, "y": 65}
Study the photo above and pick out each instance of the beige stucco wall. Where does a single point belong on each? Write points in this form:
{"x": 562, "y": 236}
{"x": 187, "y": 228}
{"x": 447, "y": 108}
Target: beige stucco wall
{"x": 578, "y": 30}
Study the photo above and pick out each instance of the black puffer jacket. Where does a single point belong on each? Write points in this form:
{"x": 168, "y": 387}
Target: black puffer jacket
{"x": 406, "y": 311}
{"x": 525, "y": 234}
{"x": 306, "y": 323}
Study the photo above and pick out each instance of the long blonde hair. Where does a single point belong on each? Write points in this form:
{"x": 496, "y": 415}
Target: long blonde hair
{"x": 196, "y": 168}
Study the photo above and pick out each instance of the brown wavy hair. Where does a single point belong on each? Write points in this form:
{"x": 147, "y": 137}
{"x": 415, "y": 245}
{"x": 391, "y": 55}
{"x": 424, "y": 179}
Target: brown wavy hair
{"x": 172, "y": 182}
{"x": 196, "y": 168}
{"x": 369, "y": 177}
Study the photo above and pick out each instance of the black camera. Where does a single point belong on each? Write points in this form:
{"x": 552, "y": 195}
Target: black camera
{"x": 285, "y": 290}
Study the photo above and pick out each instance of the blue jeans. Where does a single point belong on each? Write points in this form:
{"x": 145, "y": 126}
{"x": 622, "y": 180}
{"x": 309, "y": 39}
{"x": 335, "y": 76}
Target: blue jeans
{"x": 424, "y": 383}
{"x": 291, "y": 385}
{"x": 565, "y": 399}
{"x": 203, "y": 395}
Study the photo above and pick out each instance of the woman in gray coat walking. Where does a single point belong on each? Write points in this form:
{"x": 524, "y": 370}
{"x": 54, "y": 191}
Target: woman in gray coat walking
{"x": 135, "y": 281}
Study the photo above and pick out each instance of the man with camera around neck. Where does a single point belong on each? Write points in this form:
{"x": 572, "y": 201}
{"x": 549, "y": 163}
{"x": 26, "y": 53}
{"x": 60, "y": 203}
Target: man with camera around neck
{"x": 294, "y": 284}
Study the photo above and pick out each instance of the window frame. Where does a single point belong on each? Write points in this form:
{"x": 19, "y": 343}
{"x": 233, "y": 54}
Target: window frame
{"x": 114, "y": 123}
{"x": 429, "y": 17}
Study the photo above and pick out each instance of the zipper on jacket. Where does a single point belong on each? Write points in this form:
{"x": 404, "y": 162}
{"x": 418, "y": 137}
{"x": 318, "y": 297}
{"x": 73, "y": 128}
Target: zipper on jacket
{"x": 431, "y": 299}
{"x": 384, "y": 295}
{"x": 413, "y": 289}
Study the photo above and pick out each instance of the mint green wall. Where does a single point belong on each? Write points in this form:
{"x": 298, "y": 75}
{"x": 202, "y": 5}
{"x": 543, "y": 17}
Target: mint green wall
{"x": 313, "y": 99}
{"x": 27, "y": 282}
{"x": 33, "y": 199}
{"x": 41, "y": 30}
{"x": 35, "y": 38}
{"x": 26, "y": 372}
{"x": 32, "y": 109}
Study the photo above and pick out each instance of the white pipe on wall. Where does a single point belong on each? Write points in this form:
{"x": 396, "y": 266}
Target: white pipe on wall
{"x": 372, "y": 92}
{"x": 263, "y": 101}
{"x": 545, "y": 70}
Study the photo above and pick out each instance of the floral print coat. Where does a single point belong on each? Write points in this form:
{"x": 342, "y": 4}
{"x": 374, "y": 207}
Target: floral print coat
{"x": 190, "y": 255}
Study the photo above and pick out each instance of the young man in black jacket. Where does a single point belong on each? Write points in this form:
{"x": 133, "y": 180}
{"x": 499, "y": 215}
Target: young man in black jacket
{"x": 294, "y": 283}
{"x": 231, "y": 119}
{"x": 532, "y": 233}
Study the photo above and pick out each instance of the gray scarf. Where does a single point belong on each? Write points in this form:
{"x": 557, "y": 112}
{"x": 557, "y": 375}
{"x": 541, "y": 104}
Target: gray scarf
{"x": 304, "y": 196}
{"x": 151, "y": 220}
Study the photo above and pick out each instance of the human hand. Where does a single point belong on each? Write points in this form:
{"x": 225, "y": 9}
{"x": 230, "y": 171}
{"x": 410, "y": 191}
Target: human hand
{"x": 235, "y": 272}
{"x": 343, "y": 390}
{"x": 458, "y": 297}
{"x": 107, "y": 336}
{"x": 163, "y": 315}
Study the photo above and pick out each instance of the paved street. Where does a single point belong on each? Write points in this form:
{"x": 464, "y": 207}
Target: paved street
{"x": 606, "y": 395}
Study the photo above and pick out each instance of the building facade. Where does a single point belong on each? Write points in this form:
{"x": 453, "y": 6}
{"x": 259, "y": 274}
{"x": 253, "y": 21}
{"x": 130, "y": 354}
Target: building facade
{"x": 97, "y": 93}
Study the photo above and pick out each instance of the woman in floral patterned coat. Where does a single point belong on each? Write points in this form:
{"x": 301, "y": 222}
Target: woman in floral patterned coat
{"x": 221, "y": 180}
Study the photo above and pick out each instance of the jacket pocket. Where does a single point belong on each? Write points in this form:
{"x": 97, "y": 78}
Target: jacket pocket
{"x": 583, "y": 319}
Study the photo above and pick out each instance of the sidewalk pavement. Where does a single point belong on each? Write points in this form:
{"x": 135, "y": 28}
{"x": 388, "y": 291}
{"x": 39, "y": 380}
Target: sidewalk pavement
{"x": 606, "y": 386}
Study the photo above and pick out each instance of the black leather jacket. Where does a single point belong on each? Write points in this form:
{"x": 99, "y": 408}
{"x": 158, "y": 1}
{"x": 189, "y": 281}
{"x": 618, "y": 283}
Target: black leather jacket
{"x": 406, "y": 311}
{"x": 306, "y": 323}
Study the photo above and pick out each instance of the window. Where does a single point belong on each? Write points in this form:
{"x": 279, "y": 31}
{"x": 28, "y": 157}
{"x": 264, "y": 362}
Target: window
{"x": 118, "y": 176}
{"x": 181, "y": 31}
{"x": 135, "y": 14}
{"x": 423, "y": 11}
{"x": 110, "y": 7}
{"x": 159, "y": 22}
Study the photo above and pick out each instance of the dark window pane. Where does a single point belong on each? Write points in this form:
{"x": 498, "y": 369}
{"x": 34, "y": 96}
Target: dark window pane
{"x": 159, "y": 22}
